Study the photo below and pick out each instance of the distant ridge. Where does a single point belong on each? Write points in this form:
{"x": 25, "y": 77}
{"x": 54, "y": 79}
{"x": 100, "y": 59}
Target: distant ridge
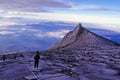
{"x": 81, "y": 37}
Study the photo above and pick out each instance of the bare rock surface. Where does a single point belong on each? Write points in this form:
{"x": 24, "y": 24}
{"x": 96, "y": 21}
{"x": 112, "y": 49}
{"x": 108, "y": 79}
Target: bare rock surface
{"x": 66, "y": 65}
{"x": 81, "y": 37}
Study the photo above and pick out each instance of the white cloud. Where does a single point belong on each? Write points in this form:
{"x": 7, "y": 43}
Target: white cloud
{"x": 71, "y": 4}
{"x": 66, "y": 24}
{"x": 112, "y": 27}
{"x": 55, "y": 34}
{"x": 5, "y": 23}
{"x": 36, "y": 17}
{"x": 84, "y": 7}
{"x": 6, "y": 32}
{"x": 75, "y": 18}
{"x": 30, "y": 5}
{"x": 11, "y": 15}
{"x": 28, "y": 10}
{"x": 92, "y": 8}
{"x": 40, "y": 35}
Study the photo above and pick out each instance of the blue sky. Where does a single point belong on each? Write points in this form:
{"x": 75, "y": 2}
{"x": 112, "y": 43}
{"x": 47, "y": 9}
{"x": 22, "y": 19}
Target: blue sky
{"x": 90, "y": 11}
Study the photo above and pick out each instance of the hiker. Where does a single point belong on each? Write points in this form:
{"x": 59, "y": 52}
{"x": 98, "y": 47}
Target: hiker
{"x": 3, "y": 57}
{"x": 15, "y": 56}
{"x": 36, "y": 60}
{"x": 21, "y": 55}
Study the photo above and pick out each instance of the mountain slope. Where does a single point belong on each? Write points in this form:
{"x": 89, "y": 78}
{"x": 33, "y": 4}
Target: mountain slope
{"x": 81, "y": 37}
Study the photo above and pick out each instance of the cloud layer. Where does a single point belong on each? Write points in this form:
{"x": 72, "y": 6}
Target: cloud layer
{"x": 55, "y": 34}
{"x": 42, "y": 35}
{"x": 30, "y": 5}
{"x": 93, "y": 8}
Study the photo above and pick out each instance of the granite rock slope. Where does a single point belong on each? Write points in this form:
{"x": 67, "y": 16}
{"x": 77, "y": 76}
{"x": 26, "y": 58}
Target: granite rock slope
{"x": 81, "y": 37}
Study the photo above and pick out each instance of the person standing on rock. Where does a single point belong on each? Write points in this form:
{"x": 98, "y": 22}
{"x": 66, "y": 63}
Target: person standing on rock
{"x": 36, "y": 60}
{"x": 4, "y": 57}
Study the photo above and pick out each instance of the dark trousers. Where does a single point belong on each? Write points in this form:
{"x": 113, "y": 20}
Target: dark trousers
{"x": 36, "y": 63}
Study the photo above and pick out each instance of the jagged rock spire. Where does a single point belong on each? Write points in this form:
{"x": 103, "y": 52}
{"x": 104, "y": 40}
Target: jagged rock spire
{"x": 80, "y": 37}
{"x": 78, "y": 28}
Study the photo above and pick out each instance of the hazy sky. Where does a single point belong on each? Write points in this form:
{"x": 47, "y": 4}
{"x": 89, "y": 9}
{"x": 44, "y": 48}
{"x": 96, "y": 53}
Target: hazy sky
{"x": 92, "y": 11}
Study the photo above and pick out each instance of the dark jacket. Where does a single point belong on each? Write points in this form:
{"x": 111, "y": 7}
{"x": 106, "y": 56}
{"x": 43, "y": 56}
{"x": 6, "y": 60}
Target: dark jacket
{"x": 36, "y": 57}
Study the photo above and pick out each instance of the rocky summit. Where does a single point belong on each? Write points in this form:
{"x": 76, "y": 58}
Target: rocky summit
{"x": 81, "y": 55}
{"x": 81, "y": 37}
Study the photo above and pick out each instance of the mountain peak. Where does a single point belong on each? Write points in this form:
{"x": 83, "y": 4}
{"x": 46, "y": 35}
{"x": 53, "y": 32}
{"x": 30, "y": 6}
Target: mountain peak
{"x": 81, "y": 37}
{"x": 78, "y": 28}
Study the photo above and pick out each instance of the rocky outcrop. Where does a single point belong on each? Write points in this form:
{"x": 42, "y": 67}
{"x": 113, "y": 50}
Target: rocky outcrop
{"x": 81, "y": 37}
